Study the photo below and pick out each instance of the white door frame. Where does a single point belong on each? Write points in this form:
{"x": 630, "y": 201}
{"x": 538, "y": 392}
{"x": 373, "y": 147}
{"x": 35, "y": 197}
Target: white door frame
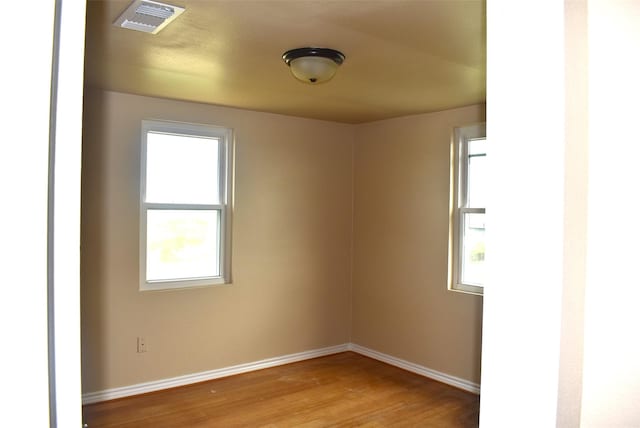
{"x": 67, "y": 78}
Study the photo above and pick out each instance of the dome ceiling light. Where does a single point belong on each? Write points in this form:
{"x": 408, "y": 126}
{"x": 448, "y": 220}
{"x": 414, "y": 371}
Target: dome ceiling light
{"x": 313, "y": 65}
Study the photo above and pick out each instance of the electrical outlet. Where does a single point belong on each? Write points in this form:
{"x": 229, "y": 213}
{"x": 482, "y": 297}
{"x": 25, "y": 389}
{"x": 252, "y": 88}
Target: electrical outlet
{"x": 142, "y": 345}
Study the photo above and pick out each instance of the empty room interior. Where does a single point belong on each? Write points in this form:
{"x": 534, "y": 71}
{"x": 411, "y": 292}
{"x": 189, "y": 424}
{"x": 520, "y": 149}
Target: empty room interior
{"x": 307, "y": 284}
{"x": 334, "y": 233}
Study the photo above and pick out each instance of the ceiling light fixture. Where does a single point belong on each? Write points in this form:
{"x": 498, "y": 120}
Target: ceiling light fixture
{"x": 313, "y": 65}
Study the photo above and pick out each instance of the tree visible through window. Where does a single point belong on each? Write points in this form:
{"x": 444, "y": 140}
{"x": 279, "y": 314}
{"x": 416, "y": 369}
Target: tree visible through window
{"x": 469, "y": 204}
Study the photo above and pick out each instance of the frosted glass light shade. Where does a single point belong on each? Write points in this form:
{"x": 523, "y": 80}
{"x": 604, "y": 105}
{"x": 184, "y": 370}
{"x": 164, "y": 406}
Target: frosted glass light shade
{"x": 313, "y": 65}
{"x": 313, "y": 69}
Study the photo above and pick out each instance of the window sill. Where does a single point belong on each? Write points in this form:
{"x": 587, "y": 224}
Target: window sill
{"x": 468, "y": 289}
{"x": 183, "y": 285}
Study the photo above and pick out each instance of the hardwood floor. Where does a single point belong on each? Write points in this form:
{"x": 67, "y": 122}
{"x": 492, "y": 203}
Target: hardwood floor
{"x": 341, "y": 390}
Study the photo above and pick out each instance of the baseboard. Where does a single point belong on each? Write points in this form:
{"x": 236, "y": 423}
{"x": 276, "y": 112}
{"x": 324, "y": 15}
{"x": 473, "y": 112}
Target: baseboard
{"x": 141, "y": 388}
{"x": 418, "y": 369}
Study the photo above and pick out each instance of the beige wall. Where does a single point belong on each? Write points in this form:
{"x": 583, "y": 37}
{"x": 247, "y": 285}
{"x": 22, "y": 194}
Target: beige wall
{"x": 291, "y": 247}
{"x": 401, "y": 305}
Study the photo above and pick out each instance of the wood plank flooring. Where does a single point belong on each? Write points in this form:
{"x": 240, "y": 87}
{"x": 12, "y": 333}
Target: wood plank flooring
{"x": 341, "y": 390}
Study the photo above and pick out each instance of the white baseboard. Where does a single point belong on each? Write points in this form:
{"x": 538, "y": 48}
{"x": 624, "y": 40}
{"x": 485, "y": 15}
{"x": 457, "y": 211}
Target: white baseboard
{"x": 141, "y": 388}
{"x": 418, "y": 369}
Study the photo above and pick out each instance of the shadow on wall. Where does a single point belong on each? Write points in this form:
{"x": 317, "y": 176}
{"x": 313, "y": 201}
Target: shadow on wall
{"x": 93, "y": 272}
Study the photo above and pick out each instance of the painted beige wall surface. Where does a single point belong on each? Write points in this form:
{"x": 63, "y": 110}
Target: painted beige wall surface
{"x": 296, "y": 224}
{"x": 292, "y": 228}
{"x": 401, "y": 305}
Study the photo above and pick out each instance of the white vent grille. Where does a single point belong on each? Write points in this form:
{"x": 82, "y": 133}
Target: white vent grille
{"x": 148, "y": 16}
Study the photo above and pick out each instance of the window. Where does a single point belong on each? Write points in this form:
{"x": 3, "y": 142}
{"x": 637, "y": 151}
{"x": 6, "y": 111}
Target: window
{"x": 468, "y": 209}
{"x": 185, "y": 222}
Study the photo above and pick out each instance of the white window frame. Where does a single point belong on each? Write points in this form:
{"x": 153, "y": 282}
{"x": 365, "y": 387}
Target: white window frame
{"x": 459, "y": 179}
{"x": 225, "y": 159}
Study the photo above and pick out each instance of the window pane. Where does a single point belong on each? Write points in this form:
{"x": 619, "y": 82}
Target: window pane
{"x": 182, "y": 244}
{"x": 182, "y": 169}
{"x": 476, "y": 182}
{"x": 472, "y": 263}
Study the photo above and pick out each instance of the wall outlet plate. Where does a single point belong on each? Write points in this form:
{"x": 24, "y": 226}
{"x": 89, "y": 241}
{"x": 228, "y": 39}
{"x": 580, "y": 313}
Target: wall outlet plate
{"x": 142, "y": 345}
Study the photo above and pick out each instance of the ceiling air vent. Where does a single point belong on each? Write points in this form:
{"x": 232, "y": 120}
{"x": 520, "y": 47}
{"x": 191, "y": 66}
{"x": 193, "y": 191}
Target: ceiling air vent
{"x": 148, "y": 16}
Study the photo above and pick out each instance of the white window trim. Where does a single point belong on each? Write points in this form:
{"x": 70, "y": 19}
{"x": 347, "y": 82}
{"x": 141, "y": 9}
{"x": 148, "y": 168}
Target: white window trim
{"x": 225, "y": 180}
{"x": 459, "y": 147}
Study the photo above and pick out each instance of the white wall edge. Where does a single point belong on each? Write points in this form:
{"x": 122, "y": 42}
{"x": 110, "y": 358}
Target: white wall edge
{"x": 416, "y": 368}
{"x": 142, "y": 388}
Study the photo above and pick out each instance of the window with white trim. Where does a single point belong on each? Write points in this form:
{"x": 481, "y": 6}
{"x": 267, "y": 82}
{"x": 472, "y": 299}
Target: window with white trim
{"x": 185, "y": 193}
{"x": 468, "y": 210}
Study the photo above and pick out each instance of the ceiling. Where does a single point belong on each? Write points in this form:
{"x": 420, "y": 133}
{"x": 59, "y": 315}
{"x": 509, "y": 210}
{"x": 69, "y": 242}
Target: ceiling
{"x": 403, "y": 57}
